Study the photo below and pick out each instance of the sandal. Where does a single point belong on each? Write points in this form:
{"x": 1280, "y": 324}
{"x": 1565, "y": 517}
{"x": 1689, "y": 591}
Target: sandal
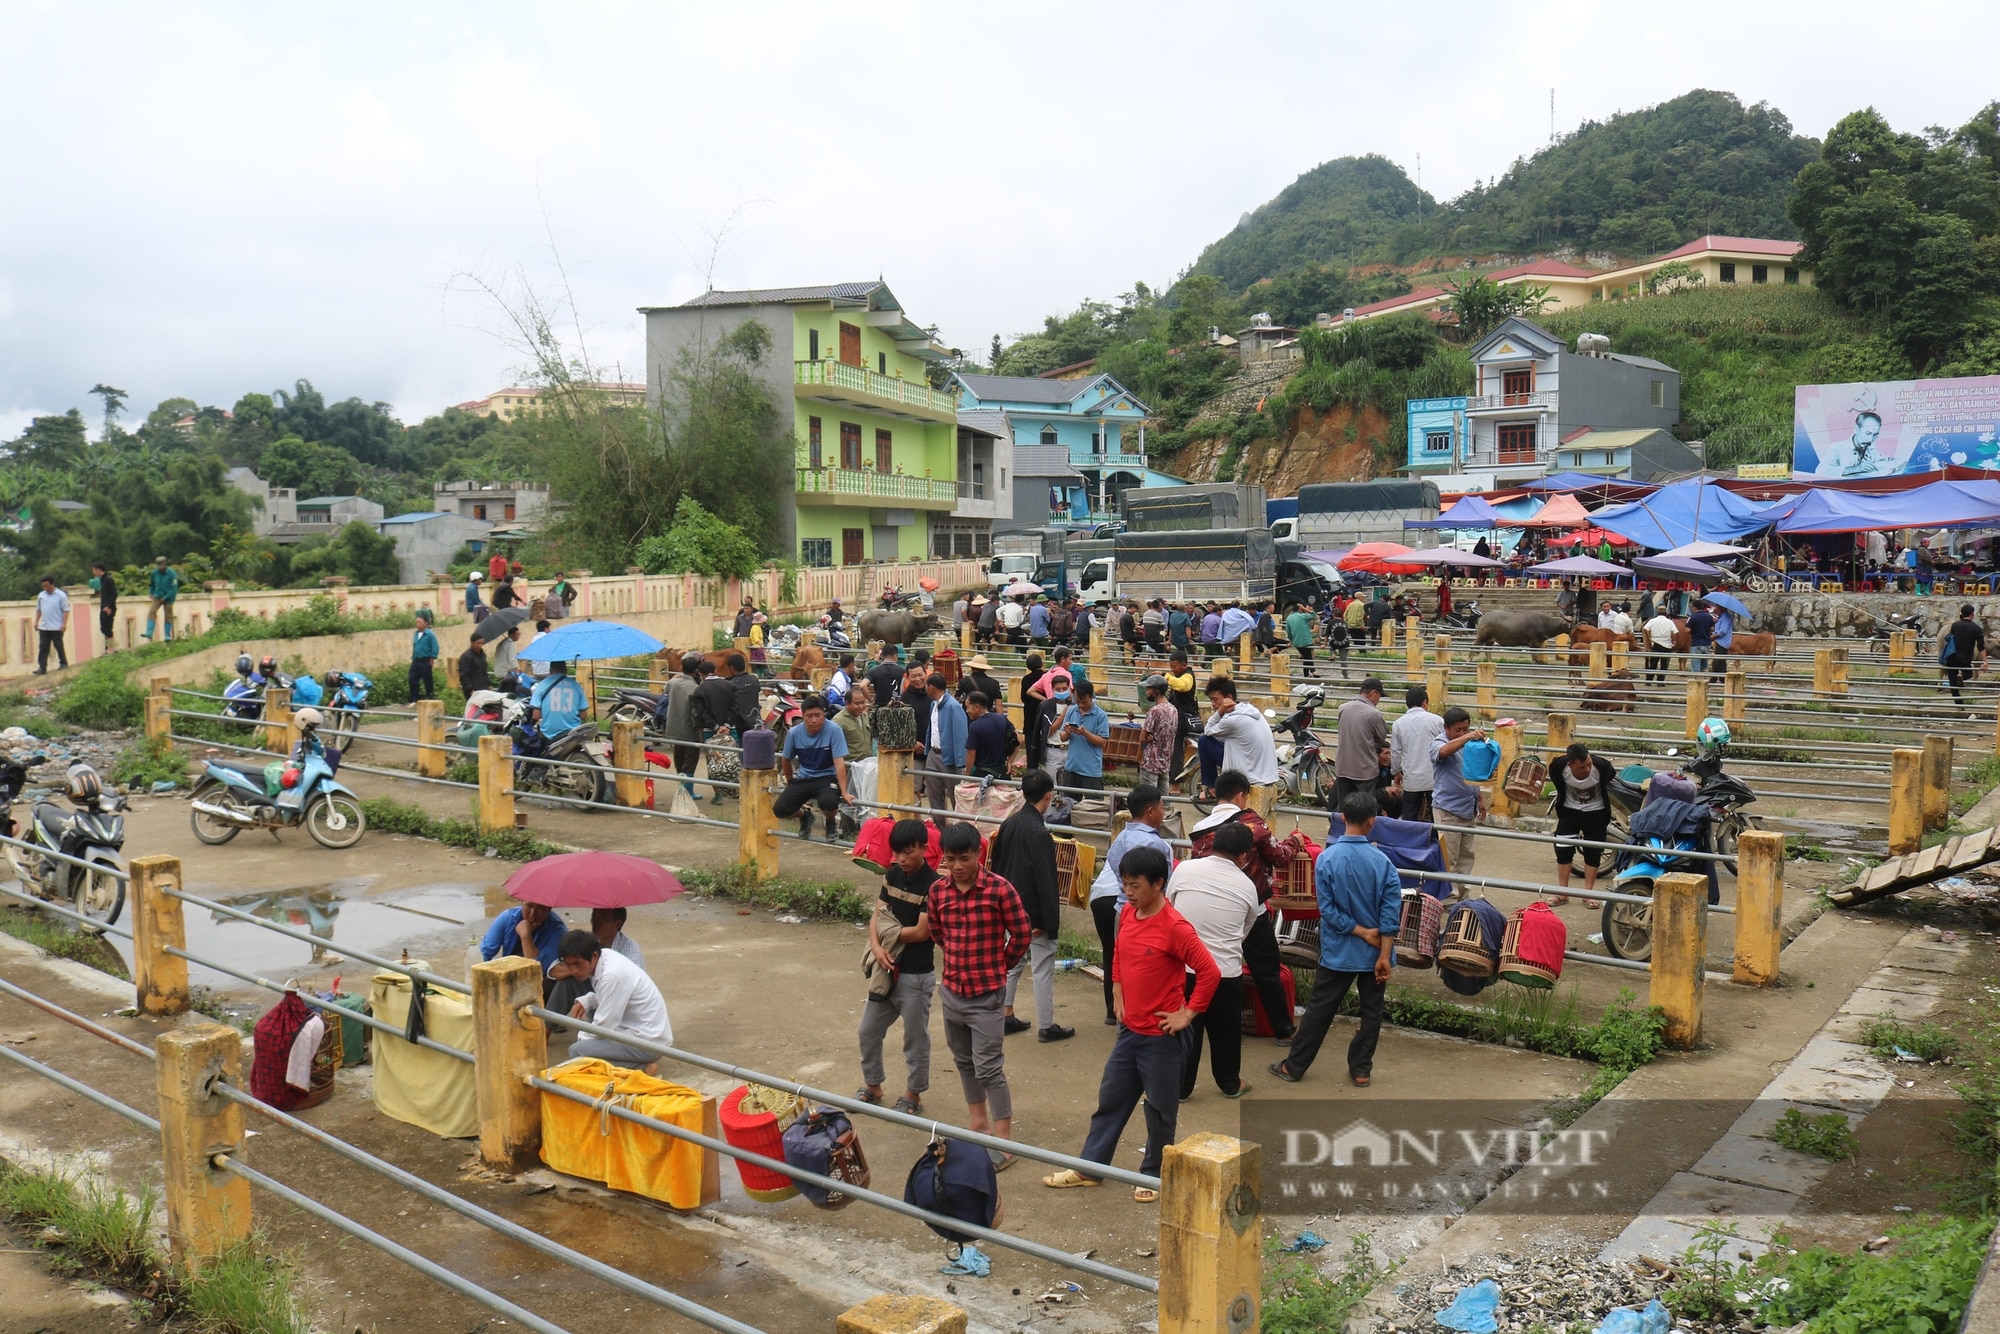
{"x": 1359, "y": 1081}
{"x": 1003, "y": 1162}
{"x": 1556, "y": 900}
{"x": 1242, "y": 1087}
{"x": 909, "y": 1107}
{"x": 1593, "y": 903}
{"x": 1144, "y": 1195}
{"x": 1068, "y": 1179}
{"x": 863, "y": 1095}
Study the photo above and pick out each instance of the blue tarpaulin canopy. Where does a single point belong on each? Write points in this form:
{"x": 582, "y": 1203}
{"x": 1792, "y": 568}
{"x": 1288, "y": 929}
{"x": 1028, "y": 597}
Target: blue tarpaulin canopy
{"x": 1571, "y": 481}
{"x": 1468, "y": 512}
{"x": 1694, "y": 510}
{"x": 1939, "y": 505}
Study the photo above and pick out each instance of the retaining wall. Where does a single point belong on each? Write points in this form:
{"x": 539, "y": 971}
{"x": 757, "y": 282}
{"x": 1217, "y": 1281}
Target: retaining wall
{"x": 1857, "y": 615}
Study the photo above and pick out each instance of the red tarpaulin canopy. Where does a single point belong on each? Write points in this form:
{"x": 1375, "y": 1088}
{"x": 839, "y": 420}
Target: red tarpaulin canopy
{"x": 1367, "y": 558}
{"x": 1589, "y": 537}
{"x": 1561, "y": 511}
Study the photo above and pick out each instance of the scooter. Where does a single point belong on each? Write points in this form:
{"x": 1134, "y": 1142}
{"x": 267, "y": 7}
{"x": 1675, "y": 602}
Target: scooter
{"x": 347, "y": 697}
{"x": 1887, "y": 626}
{"x": 785, "y": 710}
{"x": 1628, "y": 927}
{"x": 1461, "y": 617}
{"x": 641, "y": 706}
{"x": 234, "y": 795}
{"x": 76, "y": 857}
{"x": 572, "y": 770}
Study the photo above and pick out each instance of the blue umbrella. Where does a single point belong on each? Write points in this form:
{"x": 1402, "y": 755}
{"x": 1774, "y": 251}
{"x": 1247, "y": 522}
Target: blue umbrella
{"x": 1729, "y": 604}
{"x": 582, "y": 640}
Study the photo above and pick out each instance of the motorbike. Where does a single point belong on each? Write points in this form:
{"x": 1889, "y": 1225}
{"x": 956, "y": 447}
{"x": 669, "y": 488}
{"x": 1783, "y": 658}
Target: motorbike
{"x": 785, "y": 710}
{"x": 1303, "y": 769}
{"x": 576, "y": 772}
{"x": 233, "y": 795}
{"x": 1887, "y": 626}
{"x": 1463, "y": 616}
{"x": 641, "y": 706}
{"x": 347, "y": 697}
{"x": 73, "y": 857}
{"x": 1628, "y": 927}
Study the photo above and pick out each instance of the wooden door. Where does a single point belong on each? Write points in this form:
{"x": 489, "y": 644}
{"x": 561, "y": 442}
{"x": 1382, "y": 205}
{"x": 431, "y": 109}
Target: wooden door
{"x": 813, "y": 459}
{"x": 850, "y": 546}
{"x": 885, "y": 453}
{"x": 850, "y": 345}
{"x": 850, "y": 445}
{"x": 1516, "y": 385}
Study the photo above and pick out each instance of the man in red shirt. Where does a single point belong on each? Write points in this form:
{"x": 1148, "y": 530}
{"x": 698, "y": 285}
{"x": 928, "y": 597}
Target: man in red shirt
{"x": 1157, "y": 948}
{"x": 982, "y": 929}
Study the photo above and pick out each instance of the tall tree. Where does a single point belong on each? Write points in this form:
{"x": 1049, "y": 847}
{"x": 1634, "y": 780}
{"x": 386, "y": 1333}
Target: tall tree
{"x": 114, "y": 402}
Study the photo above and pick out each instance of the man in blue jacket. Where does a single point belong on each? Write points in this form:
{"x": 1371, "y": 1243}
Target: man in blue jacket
{"x": 525, "y": 931}
{"x": 1360, "y": 907}
{"x": 942, "y": 741}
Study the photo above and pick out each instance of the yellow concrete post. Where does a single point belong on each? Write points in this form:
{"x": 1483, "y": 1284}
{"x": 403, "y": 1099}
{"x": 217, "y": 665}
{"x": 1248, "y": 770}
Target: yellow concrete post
{"x": 628, "y": 751}
{"x": 1559, "y": 729}
{"x": 161, "y": 978}
{"x": 1937, "y": 781}
{"x": 1822, "y": 671}
{"x": 756, "y": 826}
{"x": 656, "y": 673}
{"x": 1097, "y": 651}
{"x": 891, "y": 1314}
{"x": 1388, "y": 633}
{"x": 965, "y": 638}
{"x": 1902, "y": 651}
{"x": 208, "y": 1209}
{"x": 586, "y": 676}
{"x": 1620, "y": 658}
{"x": 1839, "y": 670}
{"x": 1680, "y": 953}
{"x": 1437, "y": 681}
{"x": 1281, "y": 678}
{"x": 1264, "y": 797}
{"x": 1735, "y": 696}
{"x": 1211, "y": 1235}
{"x": 508, "y": 1045}
{"x": 1011, "y": 685}
{"x": 1497, "y": 801}
{"x": 1487, "y": 673}
{"x": 1697, "y": 705}
{"x": 817, "y": 679}
{"x": 1906, "y": 800}
{"x": 278, "y": 720}
{"x": 1413, "y": 649}
{"x": 1441, "y": 650}
{"x": 1243, "y": 651}
{"x": 1760, "y": 907}
{"x": 1600, "y": 661}
{"x": 895, "y": 780}
{"x": 159, "y": 703}
{"x": 1220, "y": 667}
{"x": 432, "y": 758}
{"x": 496, "y": 784}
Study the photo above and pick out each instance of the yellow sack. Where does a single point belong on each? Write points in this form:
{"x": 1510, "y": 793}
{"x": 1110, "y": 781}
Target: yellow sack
{"x": 582, "y": 1140}
{"x": 415, "y": 1084}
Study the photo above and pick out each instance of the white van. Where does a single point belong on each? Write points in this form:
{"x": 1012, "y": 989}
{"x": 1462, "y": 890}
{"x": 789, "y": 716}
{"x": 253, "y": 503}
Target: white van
{"x": 1004, "y": 570}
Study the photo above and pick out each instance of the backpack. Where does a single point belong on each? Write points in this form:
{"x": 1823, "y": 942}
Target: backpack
{"x": 824, "y": 1142}
{"x": 958, "y": 1181}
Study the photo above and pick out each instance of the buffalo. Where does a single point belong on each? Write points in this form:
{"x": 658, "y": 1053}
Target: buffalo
{"x": 1519, "y": 629}
{"x": 894, "y": 627}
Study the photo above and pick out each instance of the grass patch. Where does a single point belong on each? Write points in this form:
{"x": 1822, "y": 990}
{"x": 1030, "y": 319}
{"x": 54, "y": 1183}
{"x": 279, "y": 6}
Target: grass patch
{"x": 105, "y": 1234}
{"x": 54, "y": 938}
{"x": 1075, "y": 945}
{"x": 1301, "y": 1298}
{"x": 1981, "y": 777}
{"x": 16, "y": 710}
{"x": 387, "y": 815}
{"x": 462, "y": 771}
{"x": 1927, "y": 1042}
{"x": 1827, "y": 1136}
{"x": 826, "y": 900}
{"x": 147, "y": 762}
{"x": 1798, "y": 850}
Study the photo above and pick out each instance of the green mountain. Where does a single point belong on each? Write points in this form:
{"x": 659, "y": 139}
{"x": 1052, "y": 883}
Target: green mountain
{"x": 1636, "y": 184}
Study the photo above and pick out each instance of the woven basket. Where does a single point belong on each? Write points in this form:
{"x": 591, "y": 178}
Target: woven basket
{"x": 759, "y": 1129}
{"x": 1295, "y": 905}
{"x": 1522, "y": 972}
{"x": 1463, "y": 947}
{"x": 1417, "y": 933}
{"x": 1525, "y": 779}
{"x": 1076, "y": 867}
{"x": 1295, "y": 878}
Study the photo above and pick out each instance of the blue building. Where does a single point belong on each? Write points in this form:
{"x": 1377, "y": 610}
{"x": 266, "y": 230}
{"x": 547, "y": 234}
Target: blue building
{"x": 1094, "y": 419}
{"x": 1437, "y": 437}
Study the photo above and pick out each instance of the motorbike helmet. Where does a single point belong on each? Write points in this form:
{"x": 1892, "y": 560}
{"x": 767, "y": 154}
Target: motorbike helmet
{"x": 1155, "y": 682}
{"x": 308, "y": 719}
{"x": 267, "y": 665}
{"x": 332, "y": 681}
{"x": 1712, "y": 733}
{"x": 83, "y": 784}
{"x": 243, "y": 664}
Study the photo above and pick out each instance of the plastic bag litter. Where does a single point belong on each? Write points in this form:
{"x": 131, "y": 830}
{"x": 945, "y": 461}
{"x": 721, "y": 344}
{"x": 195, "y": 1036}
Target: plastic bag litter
{"x": 1472, "y": 1310}
{"x": 1305, "y": 1241}
{"x": 971, "y": 1263}
{"x": 1654, "y": 1319}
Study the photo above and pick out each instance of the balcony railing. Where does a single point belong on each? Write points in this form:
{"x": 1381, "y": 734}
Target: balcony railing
{"x": 862, "y": 381}
{"x": 866, "y": 484}
{"x": 971, "y": 490}
{"x": 1112, "y": 461}
{"x": 1489, "y": 402}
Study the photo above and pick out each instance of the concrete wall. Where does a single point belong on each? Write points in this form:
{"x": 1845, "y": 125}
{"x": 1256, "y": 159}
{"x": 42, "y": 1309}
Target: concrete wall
{"x": 1856, "y": 615}
{"x": 1614, "y": 395}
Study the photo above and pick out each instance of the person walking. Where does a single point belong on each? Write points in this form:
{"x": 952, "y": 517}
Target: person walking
{"x": 1963, "y": 653}
{"x": 51, "y": 619}
{"x": 105, "y": 585}
{"x": 1158, "y": 731}
{"x": 1107, "y": 896}
{"x": 1725, "y": 635}
{"x": 423, "y": 658}
{"x": 163, "y": 587}
{"x": 1220, "y": 903}
{"x": 1300, "y": 629}
{"x": 1024, "y": 855}
{"x": 944, "y": 742}
{"x": 1038, "y": 623}
{"x": 1456, "y": 805}
{"x": 911, "y": 969}
{"x": 1362, "y": 732}
{"x": 1410, "y": 753}
{"x": 475, "y": 606}
{"x": 507, "y": 652}
{"x": 814, "y": 761}
{"x": 1154, "y": 1005}
{"x": 1085, "y": 731}
{"x": 1659, "y": 630}
{"x": 473, "y": 674}
{"x": 1701, "y": 638}
{"x": 1260, "y": 946}
{"x": 1360, "y": 908}
{"x": 1583, "y": 810}
{"x": 978, "y": 921}
{"x": 1180, "y": 694}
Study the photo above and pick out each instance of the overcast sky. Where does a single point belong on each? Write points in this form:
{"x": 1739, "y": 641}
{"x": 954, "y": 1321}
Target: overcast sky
{"x": 204, "y": 199}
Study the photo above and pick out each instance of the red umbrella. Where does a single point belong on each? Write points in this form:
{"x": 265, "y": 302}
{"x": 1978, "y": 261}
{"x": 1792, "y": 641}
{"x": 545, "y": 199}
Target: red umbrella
{"x": 594, "y": 880}
{"x": 1370, "y": 557}
{"x": 1590, "y": 537}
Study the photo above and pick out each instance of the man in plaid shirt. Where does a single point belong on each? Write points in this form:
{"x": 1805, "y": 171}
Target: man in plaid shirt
{"x": 1157, "y": 735}
{"x": 982, "y": 930}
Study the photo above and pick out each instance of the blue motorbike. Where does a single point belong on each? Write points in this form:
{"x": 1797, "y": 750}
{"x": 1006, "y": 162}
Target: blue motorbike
{"x": 234, "y": 795}
{"x": 346, "y": 701}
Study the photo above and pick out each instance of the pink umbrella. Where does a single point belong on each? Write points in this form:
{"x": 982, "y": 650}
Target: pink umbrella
{"x": 594, "y": 880}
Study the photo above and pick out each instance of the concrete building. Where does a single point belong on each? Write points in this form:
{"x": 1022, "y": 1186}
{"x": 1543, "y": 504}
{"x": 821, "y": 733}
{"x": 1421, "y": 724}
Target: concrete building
{"x": 1096, "y": 421}
{"x": 874, "y": 446}
{"x": 514, "y": 503}
{"x": 323, "y": 516}
{"x": 276, "y": 505}
{"x": 985, "y": 488}
{"x": 1047, "y": 489}
{"x": 507, "y": 404}
{"x": 1437, "y": 435}
{"x": 427, "y": 540}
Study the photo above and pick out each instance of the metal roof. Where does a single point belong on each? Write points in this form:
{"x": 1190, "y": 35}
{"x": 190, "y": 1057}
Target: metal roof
{"x": 1043, "y": 461}
{"x": 420, "y": 516}
{"x": 987, "y": 421}
{"x": 757, "y": 296}
{"x": 1023, "y": 388}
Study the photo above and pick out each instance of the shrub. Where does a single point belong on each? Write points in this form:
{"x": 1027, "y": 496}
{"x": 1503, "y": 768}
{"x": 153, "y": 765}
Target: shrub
{"x": 100, "y": 698}
{"x": 148, "y": 762}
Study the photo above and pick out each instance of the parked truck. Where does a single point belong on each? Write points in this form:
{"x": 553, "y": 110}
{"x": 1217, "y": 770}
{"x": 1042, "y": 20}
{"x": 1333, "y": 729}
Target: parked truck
{"x": 1219, "y": 565}
{"x": 1340, "y": 514}
{"x": 1193, "y": 508}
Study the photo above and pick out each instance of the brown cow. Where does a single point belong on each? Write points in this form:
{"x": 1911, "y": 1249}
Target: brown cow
{"x": 1583, "y": 636}
{"x": 1615, "y": 695}
{"x": 1743, "y": 644}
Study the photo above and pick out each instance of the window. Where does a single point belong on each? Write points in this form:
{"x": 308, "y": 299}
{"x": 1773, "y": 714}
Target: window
{"x": 1517, "y": 442}
{"x": 1729, "y": 273}
{"x": 813, "y": 457}
{"x": 1760, "y": 273}
{"x": 962, "y": 544}
{"x": 1791, "y": 275}
{"x": 979, "y": 481}
{"x": 941, "y": 544}
{"x": 882, "y": 359}
{"x": 1517, "y": 385}
{"x": 1659, "y": 393}
{"x": 850, "y": 345}
{"x": 1437, "y": 442}
{"x": 850, "y": 445}
{"x": 812, "y": 345}
{"x": 816, "y": 552}
{"x": 1003, "y": 479}
{"x": 1049, "y": 435}
{"x": 1097, "y": 442}
{"x": 885, "y": 453}
{"x": 982, "y": 543}
{"x": 1610, "y": 458}
{"x": 507, "y": 513}
{"x": 478, "y": 511}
